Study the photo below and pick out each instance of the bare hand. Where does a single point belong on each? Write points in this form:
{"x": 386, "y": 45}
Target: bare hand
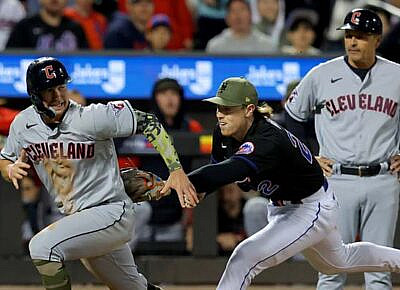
{"x": 395, "y": 164}
{"x": 17, "y": 170}
{"x": 179, "y": 181}
{"x": 326, "y": 165}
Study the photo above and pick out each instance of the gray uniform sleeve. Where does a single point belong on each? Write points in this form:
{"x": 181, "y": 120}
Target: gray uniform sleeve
{"x": 115, "y": 119}
{"x": 301, "y": 102}
{"x": 12, "y": 147}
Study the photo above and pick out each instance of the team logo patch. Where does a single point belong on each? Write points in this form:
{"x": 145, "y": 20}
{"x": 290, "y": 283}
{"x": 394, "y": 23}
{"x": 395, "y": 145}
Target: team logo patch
{"x": 246, "y": 148}
{"x": 293, "y": 96}
{"x": 355, "y": 18}
{"x": 117, "y": 107}
{"x": 50, "y": 73}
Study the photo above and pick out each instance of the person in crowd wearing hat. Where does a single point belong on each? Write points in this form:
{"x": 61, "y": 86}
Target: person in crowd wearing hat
{"x": 128, "y": 31}
{"x": 300, "y": 32}
{"x": 165, "y": 218}
{"x": 158, "y": 32}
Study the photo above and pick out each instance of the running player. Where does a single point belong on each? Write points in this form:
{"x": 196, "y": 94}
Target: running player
{"x": 72, "y": 150}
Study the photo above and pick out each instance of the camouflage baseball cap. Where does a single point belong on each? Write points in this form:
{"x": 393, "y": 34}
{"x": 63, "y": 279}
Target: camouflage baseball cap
{"x": 235, "y": 91}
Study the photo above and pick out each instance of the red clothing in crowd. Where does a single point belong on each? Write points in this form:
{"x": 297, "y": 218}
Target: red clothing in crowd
{"x": 6, "y": 117}
{"x": 94, "y": 26}
{"x": 180, "y": 16}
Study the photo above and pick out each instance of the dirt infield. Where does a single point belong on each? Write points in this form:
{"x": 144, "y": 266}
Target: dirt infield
{"x": 184, "y": 287}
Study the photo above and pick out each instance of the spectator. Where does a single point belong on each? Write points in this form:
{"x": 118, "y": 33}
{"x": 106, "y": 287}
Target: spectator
{"x": 158, "y": 32}
{"x": 300, "y": 33}
{"x": 323, "y": 10}
{"x": 240, "y": 36}
{"x": 48, "y": 30}
{"x": 181, "y": 21}
{"x": 210, "y": 20}
{"x": 6, "y": 117}
{"x": 128, "y": 31}
{"x": 230, "y": 218}
{"x": 93, "y": 23}
{"x": 166, "y": 216}
{"x": 272, "y": 19}
{"x": 106, "y": 7}
{"x": 11, "y": 12}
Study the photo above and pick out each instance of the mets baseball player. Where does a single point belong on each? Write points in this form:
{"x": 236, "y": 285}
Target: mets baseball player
{"x": 358, "y": 134}
{"x": 260, "y": 155}
{"x": 72, "y": 150}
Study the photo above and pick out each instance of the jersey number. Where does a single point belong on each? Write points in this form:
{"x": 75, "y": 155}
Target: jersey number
{"x": 303, "y": 148}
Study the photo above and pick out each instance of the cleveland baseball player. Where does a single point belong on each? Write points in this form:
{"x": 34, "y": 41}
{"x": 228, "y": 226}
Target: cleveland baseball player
{"x": 358, "y": 134}
{"x": 72, "y": 151}
{"x": 258, "y": 154}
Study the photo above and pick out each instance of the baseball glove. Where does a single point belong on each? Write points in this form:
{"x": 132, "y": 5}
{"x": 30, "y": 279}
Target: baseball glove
{"x": 142, "y": 185}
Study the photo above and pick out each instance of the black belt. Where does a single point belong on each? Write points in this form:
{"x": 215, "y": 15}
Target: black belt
{"x": 361, "y": 170}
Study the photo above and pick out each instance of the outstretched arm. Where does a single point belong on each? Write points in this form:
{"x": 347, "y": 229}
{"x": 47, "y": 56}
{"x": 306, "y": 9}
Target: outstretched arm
{"x": 151, "y": 128}
{"x": 210, "y": 177}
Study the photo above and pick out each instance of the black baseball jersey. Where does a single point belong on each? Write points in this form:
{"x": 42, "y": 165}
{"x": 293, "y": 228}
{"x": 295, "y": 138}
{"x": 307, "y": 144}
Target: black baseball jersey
{"x": 283, "y": 168}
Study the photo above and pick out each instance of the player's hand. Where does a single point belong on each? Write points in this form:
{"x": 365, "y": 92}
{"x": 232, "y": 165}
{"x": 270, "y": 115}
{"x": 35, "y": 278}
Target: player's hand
{"x": 17, "y": 170}
{"x": 395, "y": 164}
{"x": 179, "y": 181}
{"x": 326, "y": 165}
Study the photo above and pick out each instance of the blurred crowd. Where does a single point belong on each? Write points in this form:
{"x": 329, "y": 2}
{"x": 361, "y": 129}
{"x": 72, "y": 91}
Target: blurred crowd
{"x": 215, "y": 26}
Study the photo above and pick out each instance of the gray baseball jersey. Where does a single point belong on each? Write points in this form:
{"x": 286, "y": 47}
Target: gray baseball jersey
{"x": 359, "y": 125}
{"x": 360, "y": 121}
{"x": 76, "y": 161}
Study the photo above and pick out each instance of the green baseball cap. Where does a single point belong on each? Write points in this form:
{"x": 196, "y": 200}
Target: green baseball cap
{"x": 236, "y": 91}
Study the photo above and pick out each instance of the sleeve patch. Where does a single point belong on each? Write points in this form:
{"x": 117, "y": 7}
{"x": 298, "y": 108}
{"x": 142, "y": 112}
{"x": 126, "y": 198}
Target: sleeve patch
{"x": 117, "y": 107}
{"x": 246, "y": 148}
{"x": 293, "y": 96}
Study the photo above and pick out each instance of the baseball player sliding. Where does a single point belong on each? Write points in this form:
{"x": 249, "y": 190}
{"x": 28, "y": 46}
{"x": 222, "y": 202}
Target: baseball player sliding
{"x": 72, "y": 151}
{"x": 358, "y": 134}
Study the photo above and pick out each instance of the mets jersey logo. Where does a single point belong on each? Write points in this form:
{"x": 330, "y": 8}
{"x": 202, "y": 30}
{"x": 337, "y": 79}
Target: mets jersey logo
{"x": 246, "y": 148}
{"x": 50, "y": 74}
{"x": 355, "y": 17}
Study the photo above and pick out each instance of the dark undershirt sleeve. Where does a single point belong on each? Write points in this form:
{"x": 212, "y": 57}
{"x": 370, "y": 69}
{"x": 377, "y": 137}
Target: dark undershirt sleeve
{"x": 210, "y": 177}
{"x": 296, "y": 128}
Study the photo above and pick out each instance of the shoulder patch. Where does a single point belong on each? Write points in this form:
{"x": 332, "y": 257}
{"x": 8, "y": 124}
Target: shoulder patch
{"x": 293, "y": 96}
{"x": 246, "y": 148}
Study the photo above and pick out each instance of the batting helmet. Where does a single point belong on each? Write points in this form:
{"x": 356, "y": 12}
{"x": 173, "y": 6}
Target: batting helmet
{"x": 44, "y": 73}
{"x": 362, "y": 19}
